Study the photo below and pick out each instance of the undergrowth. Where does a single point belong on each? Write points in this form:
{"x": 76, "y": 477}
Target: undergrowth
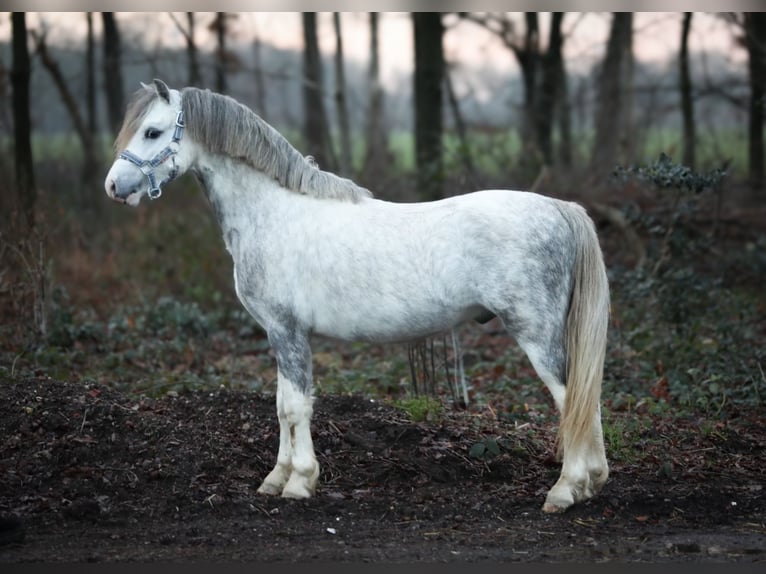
{"x": 156, "y": 313}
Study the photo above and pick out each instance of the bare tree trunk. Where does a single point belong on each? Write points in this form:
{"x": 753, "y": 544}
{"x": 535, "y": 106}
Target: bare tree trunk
{"x": 115, "y": 92}
{"x": 429, "y": 78}
{"x": 528, "y": 58}
{"x": 609, "y": 118}
{"x": 90, "y": 176}
{"x": 316, "y": 125}
{"x": 527, "y": 54}
{"x": 550, "y": 89}
{"x": 462, "y": 133}
{"x": 377, "y": 158}
{"x": 5, "y": 106}
{"x": 90, "y": 77}
{"x": 22, "y": 125}
{"x": 564, "y": 118}
{"x": 220, "y": 67}
{"x": 687, "y": 103}
{"x": 627, "y": 145}
{"x": 192, "y": 54}
{"x": 195, "y": 76}
{"x": 755, "y": 37}
{"x": 260, "y": 84}
{"x": 340, "y": 101}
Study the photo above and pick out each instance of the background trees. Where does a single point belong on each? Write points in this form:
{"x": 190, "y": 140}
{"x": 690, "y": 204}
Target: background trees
{"x": 549, "y": 117}
{"x": 113, "y": 84}
{"x": 317, "y": 128}
{"x": 614, "y": 84}
{"x": 22, "y": 125}
{"x": 428, "y": 81}
{"x": 755, "y": 40}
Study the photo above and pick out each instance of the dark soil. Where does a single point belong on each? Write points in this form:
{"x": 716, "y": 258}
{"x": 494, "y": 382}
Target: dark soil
{"x": 89, "y": 474}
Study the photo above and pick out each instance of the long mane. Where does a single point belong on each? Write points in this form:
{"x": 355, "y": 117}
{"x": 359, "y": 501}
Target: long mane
{"x": 224, "y": 126}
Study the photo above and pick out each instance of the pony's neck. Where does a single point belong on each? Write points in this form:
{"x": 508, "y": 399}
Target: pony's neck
{"x": 235, "y": 191}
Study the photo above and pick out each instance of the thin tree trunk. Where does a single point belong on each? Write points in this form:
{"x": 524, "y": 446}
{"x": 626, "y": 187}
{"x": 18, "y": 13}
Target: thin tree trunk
{"x": 755, "y": 36}
{"x": 610, "y": 110}
{"x": 549, "y": 89}
{"x": 565, "y": 118}
{"x": 220, "y": 67}
{"x": 192, "y": 54}
{"x": 115, "y": 92}
{"x": 90, "y": 76}
{"x": 5, "y": 106}
{"x": 90, "y": 176}
{"x": 22, "y": 125}
{"x": 340, "y": 101}
{"x": 377, "y": 156}
{"x": 260, "y": 84}
{"x": 626, "y": 148}
{"x": 195, "y": 77}
{"x": 316, "y": 124}
{"x": 429, "y": 78}
{"x": 687, "y": 103}
{"x": 462, "y": 133}
{"x": 528, "y": 58}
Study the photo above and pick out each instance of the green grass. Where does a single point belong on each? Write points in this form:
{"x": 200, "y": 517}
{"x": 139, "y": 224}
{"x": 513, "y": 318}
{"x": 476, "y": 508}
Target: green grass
{"x": 421, "y": 408}
{"x": 494, "y": 154}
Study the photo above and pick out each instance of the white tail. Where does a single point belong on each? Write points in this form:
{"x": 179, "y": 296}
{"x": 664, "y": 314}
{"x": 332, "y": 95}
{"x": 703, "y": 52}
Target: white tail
{"x": 586, "y": 332}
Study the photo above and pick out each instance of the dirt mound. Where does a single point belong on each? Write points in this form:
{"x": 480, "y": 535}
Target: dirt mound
{"x": 89, "y": 474}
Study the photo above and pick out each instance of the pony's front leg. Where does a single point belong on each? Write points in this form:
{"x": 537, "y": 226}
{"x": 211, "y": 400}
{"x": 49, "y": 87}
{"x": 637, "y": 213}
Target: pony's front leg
{"x": 296, "y": 472}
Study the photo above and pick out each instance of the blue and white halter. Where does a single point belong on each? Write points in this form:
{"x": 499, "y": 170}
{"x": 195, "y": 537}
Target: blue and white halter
{"x": 147, "y": 166}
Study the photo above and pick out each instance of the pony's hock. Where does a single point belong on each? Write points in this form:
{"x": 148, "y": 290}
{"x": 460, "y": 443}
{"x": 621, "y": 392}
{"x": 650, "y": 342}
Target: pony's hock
{"x": 316, "y": 254}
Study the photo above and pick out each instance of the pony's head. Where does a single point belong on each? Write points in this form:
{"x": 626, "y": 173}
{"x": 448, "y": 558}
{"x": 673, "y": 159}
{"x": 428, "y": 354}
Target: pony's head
{"x": 150, "y": 147}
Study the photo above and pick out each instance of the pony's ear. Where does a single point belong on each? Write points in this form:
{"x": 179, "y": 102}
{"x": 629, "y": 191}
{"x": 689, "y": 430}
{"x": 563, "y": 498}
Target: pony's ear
{"x": 162, "y": 90}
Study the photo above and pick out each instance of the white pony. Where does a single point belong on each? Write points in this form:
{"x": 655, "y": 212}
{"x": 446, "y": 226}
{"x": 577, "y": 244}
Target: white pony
{"x": 316, "y": 254}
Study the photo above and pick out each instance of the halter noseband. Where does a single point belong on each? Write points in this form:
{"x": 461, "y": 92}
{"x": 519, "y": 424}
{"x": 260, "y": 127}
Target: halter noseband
{"x": 147, "y": 166}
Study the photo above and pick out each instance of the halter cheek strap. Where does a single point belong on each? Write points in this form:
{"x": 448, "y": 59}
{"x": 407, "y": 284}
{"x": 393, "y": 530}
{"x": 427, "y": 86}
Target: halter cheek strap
{"x": 147, "y": 166}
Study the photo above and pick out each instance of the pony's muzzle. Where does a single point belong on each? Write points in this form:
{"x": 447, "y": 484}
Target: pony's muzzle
{"x": 119, "y": 192}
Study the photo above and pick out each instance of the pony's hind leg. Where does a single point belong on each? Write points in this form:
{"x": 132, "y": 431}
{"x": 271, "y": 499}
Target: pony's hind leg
{"x": 584, "y": 467}
{"x": 296, "y": 472}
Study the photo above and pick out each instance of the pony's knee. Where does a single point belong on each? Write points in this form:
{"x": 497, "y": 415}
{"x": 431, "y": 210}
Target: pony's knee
{"x": 293, "y": 405}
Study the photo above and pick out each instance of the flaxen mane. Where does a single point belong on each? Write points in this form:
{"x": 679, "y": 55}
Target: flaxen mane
{"x": 138, "y": 106}
{"x": 224, "y": 126}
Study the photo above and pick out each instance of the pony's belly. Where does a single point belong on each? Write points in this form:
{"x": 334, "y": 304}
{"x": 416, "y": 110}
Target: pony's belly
{"x": 392, "y": 328}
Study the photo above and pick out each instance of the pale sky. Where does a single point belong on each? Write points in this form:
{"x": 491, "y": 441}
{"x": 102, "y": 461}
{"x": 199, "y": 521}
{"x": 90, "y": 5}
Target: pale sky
{"x": 656, "y": 35}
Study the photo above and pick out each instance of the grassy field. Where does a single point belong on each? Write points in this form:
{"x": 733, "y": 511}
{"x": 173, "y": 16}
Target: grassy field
{"x": 494, "y": 153}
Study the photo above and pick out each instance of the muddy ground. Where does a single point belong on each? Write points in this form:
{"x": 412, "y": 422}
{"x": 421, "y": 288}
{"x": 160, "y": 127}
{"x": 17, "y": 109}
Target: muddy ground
{"x": 89, "y": 474}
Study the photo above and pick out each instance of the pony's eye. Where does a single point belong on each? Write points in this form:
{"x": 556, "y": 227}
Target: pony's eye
{"x": 152, "y": 133}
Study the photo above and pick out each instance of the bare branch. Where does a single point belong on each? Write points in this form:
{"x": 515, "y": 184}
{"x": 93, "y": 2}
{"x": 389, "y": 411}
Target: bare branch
{"x": 180, "y": 27}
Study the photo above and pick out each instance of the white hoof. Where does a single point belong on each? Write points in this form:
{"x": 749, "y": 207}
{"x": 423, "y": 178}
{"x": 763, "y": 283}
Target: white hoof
{"x": 270, "y": 489}
{"x": 300, "y": 485}
{"x": 559, "y": 499}
{"x": 275, "y": 481}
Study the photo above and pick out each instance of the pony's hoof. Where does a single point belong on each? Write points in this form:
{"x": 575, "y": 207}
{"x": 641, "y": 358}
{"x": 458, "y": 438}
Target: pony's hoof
{"x": 269, "y": 489}
{"x": 559, "y": 499}
{"x": 296, "y": 491}
{"x": 301, "y": 486}
{"x": 550, "y": 508}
